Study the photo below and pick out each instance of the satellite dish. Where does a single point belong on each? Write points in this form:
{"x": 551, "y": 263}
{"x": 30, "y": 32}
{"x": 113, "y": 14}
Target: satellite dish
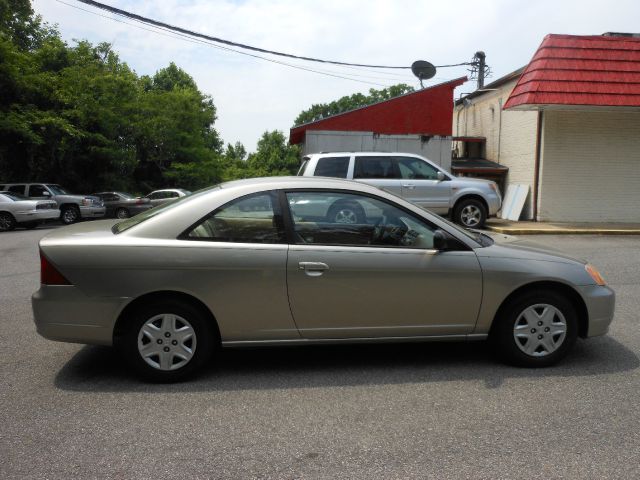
{"x": 423, "y": 70}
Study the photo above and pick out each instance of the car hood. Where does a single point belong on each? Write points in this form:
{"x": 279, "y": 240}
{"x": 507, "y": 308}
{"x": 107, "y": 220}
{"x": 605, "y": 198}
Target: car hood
{"x": 509, "y": 246}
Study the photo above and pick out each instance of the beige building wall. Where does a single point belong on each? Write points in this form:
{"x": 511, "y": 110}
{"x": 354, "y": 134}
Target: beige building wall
{"x": 590, "y": 167}
{"x": 511, "y": 135}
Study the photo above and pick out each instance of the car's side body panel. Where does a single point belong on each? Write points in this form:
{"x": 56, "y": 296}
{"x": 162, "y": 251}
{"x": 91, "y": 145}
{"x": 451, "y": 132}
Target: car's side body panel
{"x": 382, "y": 292}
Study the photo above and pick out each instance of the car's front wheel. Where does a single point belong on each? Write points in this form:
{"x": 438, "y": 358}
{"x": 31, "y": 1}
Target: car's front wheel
{"x": 470, "y": 213}
{"x": 70, "y": 214}
{"x": 536, "y": 329}
{"x": 168, "y": 341}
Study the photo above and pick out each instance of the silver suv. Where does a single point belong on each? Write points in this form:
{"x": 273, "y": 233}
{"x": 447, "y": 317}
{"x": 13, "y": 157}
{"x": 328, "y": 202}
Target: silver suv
{"x": 468, "y": 201}
{"x": 72, "y": 207}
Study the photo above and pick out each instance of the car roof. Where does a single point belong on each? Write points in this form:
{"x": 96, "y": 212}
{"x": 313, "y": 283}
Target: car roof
{"x": 364, "y": 154}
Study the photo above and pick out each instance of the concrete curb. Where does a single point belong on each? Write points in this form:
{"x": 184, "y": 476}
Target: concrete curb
{"x": 562, "y": 231}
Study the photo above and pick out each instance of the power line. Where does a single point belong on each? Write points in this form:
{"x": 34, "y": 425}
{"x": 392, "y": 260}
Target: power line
{"x": 156, "y": 23}
{"x": 166, "y": 26}
{"x": 186, "y": 38}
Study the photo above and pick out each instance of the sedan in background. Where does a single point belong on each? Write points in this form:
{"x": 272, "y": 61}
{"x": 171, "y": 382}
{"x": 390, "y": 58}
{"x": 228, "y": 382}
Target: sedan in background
{"x": 267, "y": 262}
{"x": 16, "y": 209}
{"x": 158, "y": 197}
{"x": 123, "y": 205}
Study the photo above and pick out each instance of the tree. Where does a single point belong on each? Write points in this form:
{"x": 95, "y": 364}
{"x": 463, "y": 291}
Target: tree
{"x": 80, "y": 116}
{"x": 344, "y": 104}
{"x": 274, "y": 156}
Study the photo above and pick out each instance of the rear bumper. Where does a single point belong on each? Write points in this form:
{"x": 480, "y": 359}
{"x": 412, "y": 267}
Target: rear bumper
{"x": 92, "y": 212}
{"x": 600, "y": 302}
{"x": 65, "y": 314}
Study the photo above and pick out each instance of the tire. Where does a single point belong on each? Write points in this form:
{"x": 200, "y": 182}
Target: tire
{"x": 535, "y": 329}
{"x": 69, "y": 214}
{"x": 7, "y": 222}
{"x": 164, "y": 350}
{"x": 346, "y": 212}
{"x": 122, "y": 213}
{"x": 470, "y": 213}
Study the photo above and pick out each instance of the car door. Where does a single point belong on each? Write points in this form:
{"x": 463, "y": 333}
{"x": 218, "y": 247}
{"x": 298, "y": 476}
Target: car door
{"x": 420, "y": 184}
{"x": 236, "y": 256}
{"x": 377, "y": 278}
{"x": 379, "y": 171}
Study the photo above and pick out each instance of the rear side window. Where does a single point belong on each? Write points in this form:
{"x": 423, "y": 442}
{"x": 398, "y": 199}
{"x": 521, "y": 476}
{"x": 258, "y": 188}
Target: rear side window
{"x": 250, "y": 219}
{"x": 336, "y": 167}
{"x": 16, "y": 188}
{"x": 376, "y": 167}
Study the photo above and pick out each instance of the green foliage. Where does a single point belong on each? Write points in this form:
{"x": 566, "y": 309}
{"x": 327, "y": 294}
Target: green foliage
{"x": 344, "y": 104}
{"x": 78, "y": 115}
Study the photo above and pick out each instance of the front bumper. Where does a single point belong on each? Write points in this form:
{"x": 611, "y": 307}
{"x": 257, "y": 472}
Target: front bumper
{"x": 494, "y": 202}
{"x": 92, "y": 212}
{"x": 600, "y": 302}
{"x": 65, "y": 314}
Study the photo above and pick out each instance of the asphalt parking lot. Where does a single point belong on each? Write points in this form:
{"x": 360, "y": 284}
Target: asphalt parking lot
{"x": 384, "y": 411}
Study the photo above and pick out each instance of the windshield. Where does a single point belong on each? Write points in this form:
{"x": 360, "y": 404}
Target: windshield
{"x": 125, "y": 195}
{"x": 141, "y": 217}
{"x": 58, "y": 190}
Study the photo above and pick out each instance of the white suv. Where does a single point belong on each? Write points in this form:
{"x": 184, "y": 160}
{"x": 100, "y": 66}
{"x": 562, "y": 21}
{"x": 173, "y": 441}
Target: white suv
{"x": 468, "y": 201}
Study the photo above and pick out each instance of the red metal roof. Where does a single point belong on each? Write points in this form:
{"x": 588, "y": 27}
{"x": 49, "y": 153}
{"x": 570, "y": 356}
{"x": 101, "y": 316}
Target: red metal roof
{"x": 570, "y": 70}
{"x": 425, "y": 112}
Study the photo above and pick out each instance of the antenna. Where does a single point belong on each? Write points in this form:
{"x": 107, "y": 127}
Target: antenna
{"x": 423, "y": 70}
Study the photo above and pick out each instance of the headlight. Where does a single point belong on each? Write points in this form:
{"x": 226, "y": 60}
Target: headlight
{"x": 593, "y": 273}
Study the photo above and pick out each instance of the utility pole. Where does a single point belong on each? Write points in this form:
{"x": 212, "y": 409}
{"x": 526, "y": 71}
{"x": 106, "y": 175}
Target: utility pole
{"x": 479, "y": 60}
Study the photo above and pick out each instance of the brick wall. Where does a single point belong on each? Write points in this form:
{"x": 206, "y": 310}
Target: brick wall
{"x": 590, "y": 167}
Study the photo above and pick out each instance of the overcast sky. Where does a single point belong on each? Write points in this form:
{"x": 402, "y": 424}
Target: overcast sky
{"x": 253, "y": 95}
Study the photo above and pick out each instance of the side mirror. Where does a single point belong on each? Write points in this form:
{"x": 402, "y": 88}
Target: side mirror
{"x": 441, "y": 176}
{"x": 440, "y": 240}
{"x": 46, "y": 194}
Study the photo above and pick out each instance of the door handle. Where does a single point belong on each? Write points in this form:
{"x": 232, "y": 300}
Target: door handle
{"x": 313, "y": 269}
{"x": 410, "y": 186}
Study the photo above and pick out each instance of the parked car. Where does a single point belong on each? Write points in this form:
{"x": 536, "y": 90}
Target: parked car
{"x": 158, "y": 197}
{"x": 16, "y": 209}
{"x": 123, "y": 205}
{"x": 72, "y": 207}
{"x": 174, "y": 283}
{"x": 468, "y": 201}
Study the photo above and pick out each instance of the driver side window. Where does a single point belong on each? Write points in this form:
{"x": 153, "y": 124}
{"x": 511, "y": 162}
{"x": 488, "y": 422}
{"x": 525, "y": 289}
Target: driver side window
{"x": 340, "y": 218}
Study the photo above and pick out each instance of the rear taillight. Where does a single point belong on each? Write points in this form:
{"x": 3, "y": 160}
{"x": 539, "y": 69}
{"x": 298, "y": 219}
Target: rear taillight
{"x": 48, "y": 273}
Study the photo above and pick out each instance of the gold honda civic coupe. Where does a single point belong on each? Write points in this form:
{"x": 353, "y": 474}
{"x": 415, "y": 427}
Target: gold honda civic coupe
{"x": 306, "y": 260}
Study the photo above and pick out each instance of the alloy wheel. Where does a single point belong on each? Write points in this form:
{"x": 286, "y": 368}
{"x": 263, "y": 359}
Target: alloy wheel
{"x": 470, "y": 216}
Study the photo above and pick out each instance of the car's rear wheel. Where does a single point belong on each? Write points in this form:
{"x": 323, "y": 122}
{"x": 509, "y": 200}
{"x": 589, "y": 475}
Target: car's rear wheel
{"x": 122, "y": 213}
{"x": 470, "y": 213}
{"x": 346, "y": 212}
{"x": 168, "y": 341}
{"x": 536, "y": 329}
{"x": 7, "y": 222}
{"x": 70, "y": 214}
